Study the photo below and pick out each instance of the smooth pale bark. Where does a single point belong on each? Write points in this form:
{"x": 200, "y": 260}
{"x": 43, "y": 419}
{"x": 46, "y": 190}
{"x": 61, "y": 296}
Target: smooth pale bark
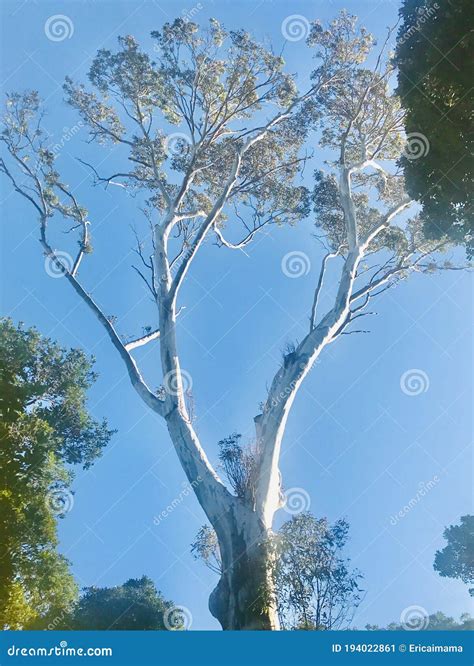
{"x": 244, "y": 597}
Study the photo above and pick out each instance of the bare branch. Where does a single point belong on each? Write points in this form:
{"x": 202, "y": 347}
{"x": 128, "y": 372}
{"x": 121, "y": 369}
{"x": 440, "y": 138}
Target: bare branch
{"x": 135, "y": 377}
{"x": 19, "y": 189}
{"x": 319, "y": 287}
{"x": 206, "y": 225}
{"x": 110, "y": 180}
{"x": 149, "y": 285}
{"x": 245, "y": 241}
{"x": 84, "y": 225}
{"x": 143, "y": 340}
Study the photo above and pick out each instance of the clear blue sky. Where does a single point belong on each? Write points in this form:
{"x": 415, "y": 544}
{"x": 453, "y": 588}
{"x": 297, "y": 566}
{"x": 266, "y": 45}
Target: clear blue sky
{"x": 355, "y": 442}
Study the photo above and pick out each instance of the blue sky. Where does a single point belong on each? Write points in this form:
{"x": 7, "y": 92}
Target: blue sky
{"x": 356, "y": 443}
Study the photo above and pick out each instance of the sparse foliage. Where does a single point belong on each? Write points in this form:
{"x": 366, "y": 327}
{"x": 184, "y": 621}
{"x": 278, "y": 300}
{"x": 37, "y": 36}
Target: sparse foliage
{"x": 239, "y": 465}
{"x": 206, "y": 548}
{"x": 315, "y": 587}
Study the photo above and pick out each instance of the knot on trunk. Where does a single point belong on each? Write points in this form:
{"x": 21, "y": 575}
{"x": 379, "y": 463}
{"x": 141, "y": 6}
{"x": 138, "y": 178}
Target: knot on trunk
{"x": 244, "y": 596}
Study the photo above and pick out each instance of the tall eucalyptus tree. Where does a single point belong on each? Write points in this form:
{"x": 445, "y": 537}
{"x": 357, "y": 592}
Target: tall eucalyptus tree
{"x": 245, "y": 132}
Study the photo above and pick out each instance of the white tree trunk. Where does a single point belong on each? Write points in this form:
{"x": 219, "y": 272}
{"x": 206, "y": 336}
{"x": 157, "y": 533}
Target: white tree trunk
{"x": 244, "y": 597}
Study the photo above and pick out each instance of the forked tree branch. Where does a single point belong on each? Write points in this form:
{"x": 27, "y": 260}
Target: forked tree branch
{"x": 134, "y": 374}
{"x": 271, "y": 423}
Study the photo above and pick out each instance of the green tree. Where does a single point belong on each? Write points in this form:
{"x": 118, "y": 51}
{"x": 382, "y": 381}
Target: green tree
{"x": 456, "y": 560}
{"x": 434, "y": 54}
{"x": 44, "y": 430}
{"x": 135, "y": 605}
{"x": 315, "y": 587}
{"x": 435, "y": 622}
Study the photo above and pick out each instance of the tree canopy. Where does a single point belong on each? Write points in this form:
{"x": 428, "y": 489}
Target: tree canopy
{"x": 315, "y": 586}
{"x": 135, "y": 605}
{"x": 45, "y": 429}
{"x": 456, "y": 559}
{"x": 435, "y": 46}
